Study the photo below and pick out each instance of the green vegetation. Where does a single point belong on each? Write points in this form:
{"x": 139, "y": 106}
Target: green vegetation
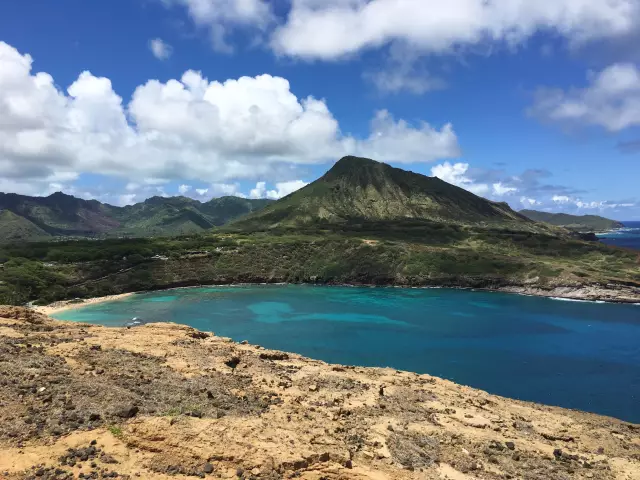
{"x": 14, "y": 227}
{"x": 362, "y": 223}
{"x": 45, "y": 272}
{"x": 584, "y": 223}
{"x": 359, "y": 190}
{"x": 115, "y": 431}
{"x": 60, "y": 215}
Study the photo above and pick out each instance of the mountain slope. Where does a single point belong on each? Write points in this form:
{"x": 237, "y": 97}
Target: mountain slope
{"x": 182, "y": 215}
{"x": 573, "y": 222}
{"x": 60, "y": 215}
{"x": 360, "y": 189}
{"x": 14, "y": 227}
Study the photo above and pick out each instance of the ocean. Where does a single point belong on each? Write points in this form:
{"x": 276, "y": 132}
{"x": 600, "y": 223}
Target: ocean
{"x": 572, "y": 354}
{"x": 628, "y": 237}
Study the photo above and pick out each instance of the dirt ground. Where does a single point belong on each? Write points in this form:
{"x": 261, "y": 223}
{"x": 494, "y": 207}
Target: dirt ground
{"x": 164, "y": 401}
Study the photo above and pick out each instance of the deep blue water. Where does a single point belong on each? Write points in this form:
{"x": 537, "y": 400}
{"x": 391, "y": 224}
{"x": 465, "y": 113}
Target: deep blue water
{"x": 571, "y": 354}
{"x": 628, "y": 237}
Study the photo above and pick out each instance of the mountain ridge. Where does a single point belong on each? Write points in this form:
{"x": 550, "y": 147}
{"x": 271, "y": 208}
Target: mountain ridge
{"x": 63, "y": 215}
{"x": 359, "y": 189}
{"x": 581, "y": 223}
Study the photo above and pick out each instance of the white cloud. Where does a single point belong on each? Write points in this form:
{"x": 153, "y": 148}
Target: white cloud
{"x": 611, "y": 100}
{"x": 282, "y": 189}
{"x": 187, "y": 129}
{"x": 184, "y": 189}
{"x": 222, "y": 17}
{"x": 500, "y": 189}
{"x": 532, "y": 194}
{"x": 260, "y": 191}
{"x": 126, "y": 199}
{"x": 285, "y": 188}
{"x": 402, "y": 75}
{"x": 602, "y": 205}
{"x": 529, "y": 202}
{"x": 226, "y": 189}
{"x": 402, "y": 143}
{"x": 202, "y": 191}
{"x": 565, "y": 202}
{"x": 160, "y": 49}
{"x": 431, "y": 26}
{"x": 456, "y": 174}
{"x": 561, "y": 199}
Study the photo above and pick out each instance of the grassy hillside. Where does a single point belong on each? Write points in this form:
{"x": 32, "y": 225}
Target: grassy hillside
{"x": 16, "y": 228}
{"x": 61, "y": 215}
{"x": 363, "y": 222}
{"x": 359, "y": 190}
{"x": 582, "y": 223}
{"x": 449, "y": 257}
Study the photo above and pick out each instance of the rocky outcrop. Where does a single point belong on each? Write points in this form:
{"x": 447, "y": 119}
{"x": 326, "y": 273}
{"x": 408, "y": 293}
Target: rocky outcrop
{"x": 594, "y": 293}
{"x": 163, "y": 401}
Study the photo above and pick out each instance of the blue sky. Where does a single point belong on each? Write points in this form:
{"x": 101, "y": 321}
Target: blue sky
{"x": 534, "y": 104}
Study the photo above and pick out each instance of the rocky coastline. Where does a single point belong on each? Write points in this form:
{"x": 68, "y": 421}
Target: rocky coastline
{"x": 611, "y": 293}
{"x": 165, "y": 401}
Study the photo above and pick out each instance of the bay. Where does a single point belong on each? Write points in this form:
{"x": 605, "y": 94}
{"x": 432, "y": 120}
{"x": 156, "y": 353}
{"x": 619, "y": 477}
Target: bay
{"x": 579, "y": 355}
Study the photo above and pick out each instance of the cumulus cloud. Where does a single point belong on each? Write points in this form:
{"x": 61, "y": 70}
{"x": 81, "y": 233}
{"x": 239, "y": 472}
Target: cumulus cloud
{"x": 500, "y": 189}
{"x": 184, "y": 189}
{"x": 529, "y": 202}
{"x": 126, "y": 199}
{"x": 351, "y": 26}
{"x": 456, "y": 174}
{"x": 285, "y": 188}
{"x": 186, "y": 129}
{"x": 561, "y": 199}
{"x": 282, "y": 189}
{"x": 531, "y": 192}
{"x": 400, "y": 142}
{"x": 611, "y": 100}
{"x": 160, "y": 49}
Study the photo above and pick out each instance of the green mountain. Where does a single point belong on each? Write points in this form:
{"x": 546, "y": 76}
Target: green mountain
{"x": 14, "y": 227}
{"x": 182, "y": 215}
{"x": 584, "y": 223}
{"x": 363, "y": 222}
{"x": 60, "y": 215}
{"x": 360, "y": 190}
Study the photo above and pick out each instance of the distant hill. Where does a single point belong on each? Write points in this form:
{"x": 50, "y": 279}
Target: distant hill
{"x": 14, "y": 227}
{"x": 584, "y": 223}
{"x": 60, "y": 215}
{"x": 363, "y": 190}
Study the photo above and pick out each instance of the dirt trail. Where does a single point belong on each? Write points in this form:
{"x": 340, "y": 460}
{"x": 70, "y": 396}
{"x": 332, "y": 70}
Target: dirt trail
{"x": 164, "y": 401}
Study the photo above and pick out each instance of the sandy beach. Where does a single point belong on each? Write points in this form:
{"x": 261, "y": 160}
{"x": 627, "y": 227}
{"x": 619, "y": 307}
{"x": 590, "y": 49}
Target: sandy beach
{"x": 71, "y": 304}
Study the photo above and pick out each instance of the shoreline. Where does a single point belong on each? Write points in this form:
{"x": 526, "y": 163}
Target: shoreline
{"x": 374, "y": 422}
{"x": 587, "y": 293}
{"x": 64, "y": 305}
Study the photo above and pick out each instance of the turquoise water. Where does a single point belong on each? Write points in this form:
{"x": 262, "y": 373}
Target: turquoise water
{"x": 571, "y": 354}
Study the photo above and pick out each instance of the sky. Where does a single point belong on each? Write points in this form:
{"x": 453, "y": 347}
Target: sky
{"x": 533, "y": 103}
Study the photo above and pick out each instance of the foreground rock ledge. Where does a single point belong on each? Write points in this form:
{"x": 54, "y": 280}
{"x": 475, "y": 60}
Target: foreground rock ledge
{"x": 166, "y": 401}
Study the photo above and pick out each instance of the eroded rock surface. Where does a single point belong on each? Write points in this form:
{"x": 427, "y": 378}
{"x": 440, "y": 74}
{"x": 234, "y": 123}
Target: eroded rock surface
{"x": 162, "y": 401}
